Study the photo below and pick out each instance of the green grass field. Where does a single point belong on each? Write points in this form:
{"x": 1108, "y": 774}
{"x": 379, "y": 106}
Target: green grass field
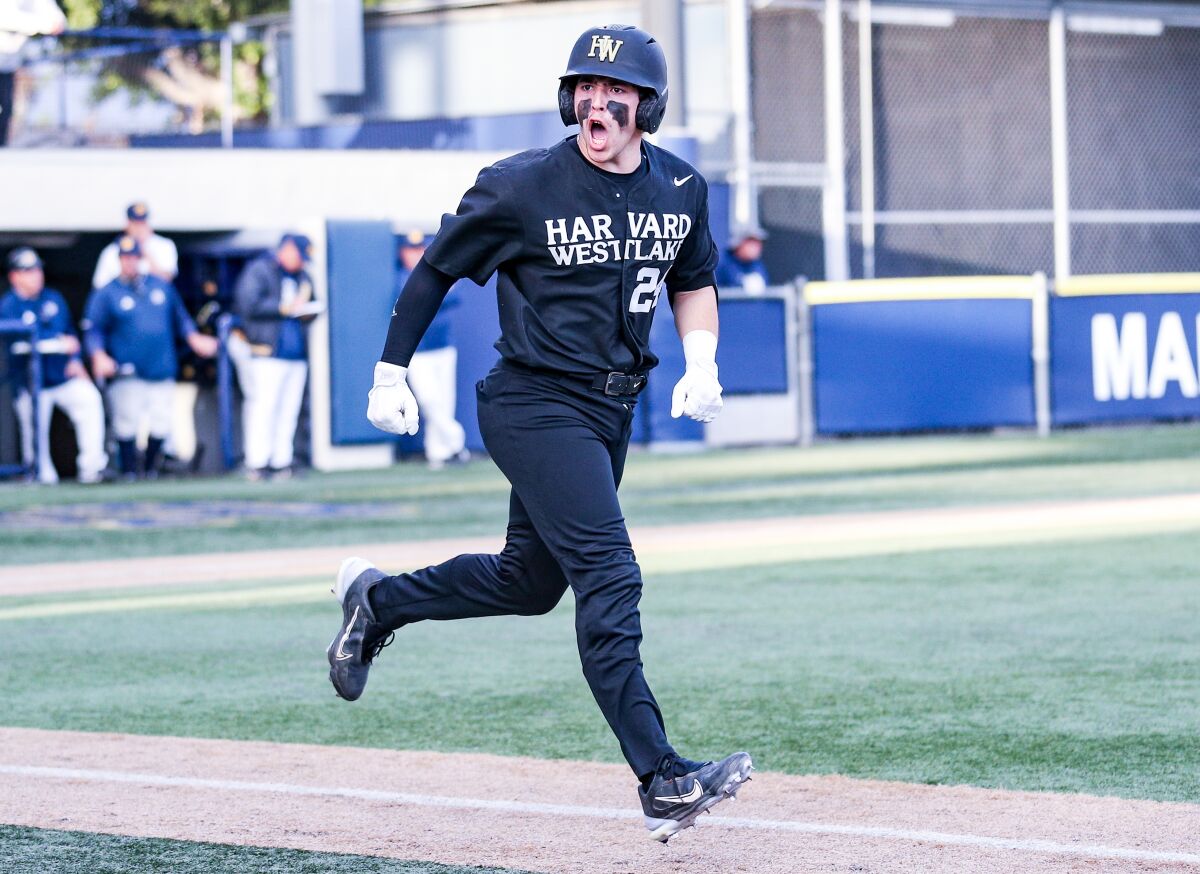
{"x": 36, "y": 851}
{"x": 413, "y": 503}
{"x": 1067, "y": 666}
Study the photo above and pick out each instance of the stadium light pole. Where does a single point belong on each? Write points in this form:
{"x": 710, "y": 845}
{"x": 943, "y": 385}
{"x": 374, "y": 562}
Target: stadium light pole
{"x": 1058, "y": 142}
{"x": 227, "y": 91}
{"x": 745, "y": 206}
{"x": 833, "y": 201}
{"x": 866, "y": 135}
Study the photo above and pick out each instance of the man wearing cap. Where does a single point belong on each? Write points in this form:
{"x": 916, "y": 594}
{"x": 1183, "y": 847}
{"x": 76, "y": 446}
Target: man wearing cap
{"x": 159, "y": 256}
{"x": 433, "y": 371}
{"x": 741, "y": 263}
{"x": 65, "y": 382}
{"x": 273, "y": 299}
{"x": 130, "y": 326}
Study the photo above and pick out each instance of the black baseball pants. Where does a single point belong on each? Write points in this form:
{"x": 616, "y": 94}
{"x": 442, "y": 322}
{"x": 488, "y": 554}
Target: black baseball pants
{"x": 562, "y": 445}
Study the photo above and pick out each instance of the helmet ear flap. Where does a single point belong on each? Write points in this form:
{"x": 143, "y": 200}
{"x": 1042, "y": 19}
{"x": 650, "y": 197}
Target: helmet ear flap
{"x": 566, "y": 102}
{"x": 651, "y": 109}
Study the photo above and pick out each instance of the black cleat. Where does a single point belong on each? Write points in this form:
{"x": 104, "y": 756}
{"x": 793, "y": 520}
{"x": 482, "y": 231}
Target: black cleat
{"x": 360, "y": 638}
{"x": 671, "y": 803}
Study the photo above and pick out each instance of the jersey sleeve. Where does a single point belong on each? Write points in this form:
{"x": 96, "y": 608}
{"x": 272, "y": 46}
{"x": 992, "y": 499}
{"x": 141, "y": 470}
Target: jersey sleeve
{"x": 482, "y": 234}
{"x": 184, "y": 326}
{"x": 95, "y": 321}
{"x": 8, "y": 310}
{"x": 61, "y": 325}
{"x": 415, "y": 310}
{"x": 697, "y": 261}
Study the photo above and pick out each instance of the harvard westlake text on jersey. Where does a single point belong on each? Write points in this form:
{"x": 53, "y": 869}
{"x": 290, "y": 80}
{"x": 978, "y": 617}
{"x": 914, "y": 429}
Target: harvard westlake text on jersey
{"x": 652, "y": 237}
{"x": 582, "y": 254}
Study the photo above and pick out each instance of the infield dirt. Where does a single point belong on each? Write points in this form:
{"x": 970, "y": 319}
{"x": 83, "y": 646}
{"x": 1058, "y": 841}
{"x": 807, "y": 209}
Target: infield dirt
{"x": 488, "y": 810}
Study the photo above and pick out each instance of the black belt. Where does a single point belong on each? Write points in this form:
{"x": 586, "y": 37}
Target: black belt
{"x": 614, "y": 385}
{"x": 617, "y": 385}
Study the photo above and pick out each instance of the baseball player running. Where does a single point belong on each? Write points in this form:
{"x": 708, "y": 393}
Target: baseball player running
{"x": 585, "y": 235}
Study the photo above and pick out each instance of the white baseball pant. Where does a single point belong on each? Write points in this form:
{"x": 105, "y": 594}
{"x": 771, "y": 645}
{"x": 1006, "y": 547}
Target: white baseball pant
{"x": 431, "y": 376}
{"x": 273, "y": 394}
{"x": 134, "y": 400}
{"x": 81, "y": 401}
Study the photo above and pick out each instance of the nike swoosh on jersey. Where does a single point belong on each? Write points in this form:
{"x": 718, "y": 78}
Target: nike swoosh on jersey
{"x": 341, "y": 654}
{"x": 679, "y": 182}
{"x": 694, "y": 795}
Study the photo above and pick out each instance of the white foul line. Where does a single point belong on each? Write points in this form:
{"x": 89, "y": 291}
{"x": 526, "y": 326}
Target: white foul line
{"x": 1092, "y": 851}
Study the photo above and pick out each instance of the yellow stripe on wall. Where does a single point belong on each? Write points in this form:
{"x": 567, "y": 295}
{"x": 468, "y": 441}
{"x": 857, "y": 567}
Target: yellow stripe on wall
{"x": 922, "y": 288}
{"x": 1128, "y": 283}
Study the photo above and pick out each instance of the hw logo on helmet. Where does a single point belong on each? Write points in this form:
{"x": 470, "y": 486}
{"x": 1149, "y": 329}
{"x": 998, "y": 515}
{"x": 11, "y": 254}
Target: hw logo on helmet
{"x": 605, "y": 47}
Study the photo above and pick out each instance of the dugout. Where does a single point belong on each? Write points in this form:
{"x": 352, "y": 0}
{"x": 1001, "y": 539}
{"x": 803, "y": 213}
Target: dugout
{"x": 219, "y": 207}
{"x": 223, "y": 207}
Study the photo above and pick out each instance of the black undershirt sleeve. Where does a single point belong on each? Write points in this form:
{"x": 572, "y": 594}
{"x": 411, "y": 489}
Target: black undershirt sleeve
{"x": 418, "y": 303}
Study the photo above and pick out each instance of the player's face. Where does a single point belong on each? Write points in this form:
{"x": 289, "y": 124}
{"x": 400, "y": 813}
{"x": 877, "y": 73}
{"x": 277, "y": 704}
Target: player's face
{"x": 130, "y": 265}
{"x": 289, "y": 258}
{"x": 27, "y": 283}
{"x": 410, "y": 256}
{"x": 608, "y": 135}
{"x": 750, "y": 249}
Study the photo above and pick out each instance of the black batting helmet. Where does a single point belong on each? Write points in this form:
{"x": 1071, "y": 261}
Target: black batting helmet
{"x": 618, "y": 51}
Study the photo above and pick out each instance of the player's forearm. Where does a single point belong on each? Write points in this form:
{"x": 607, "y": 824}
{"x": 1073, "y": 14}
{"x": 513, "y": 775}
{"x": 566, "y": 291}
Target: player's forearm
{"x": 415, "y": 309}
{"x": 695, "y": 311}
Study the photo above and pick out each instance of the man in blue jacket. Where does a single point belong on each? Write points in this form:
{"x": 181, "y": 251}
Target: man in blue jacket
{"x": 65, "y": 382}
{"x": 741, "y": 264}
{"x": 274, "y": 301}
{"x": 433, "y": 371}
{"x": 131, "y": 325}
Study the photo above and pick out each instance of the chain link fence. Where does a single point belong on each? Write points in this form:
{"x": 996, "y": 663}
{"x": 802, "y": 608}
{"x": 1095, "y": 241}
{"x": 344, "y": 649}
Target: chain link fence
{"x": 962, "y": 124}
{"x": 1133, "y": 106}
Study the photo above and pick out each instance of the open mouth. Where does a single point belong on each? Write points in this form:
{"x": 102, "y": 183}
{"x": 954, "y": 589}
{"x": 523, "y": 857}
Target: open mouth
{"x": 597, "y": 133}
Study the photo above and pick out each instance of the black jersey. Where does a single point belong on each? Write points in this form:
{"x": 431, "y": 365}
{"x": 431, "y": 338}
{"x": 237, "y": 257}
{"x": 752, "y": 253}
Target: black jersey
{"x": 582, "y": 254}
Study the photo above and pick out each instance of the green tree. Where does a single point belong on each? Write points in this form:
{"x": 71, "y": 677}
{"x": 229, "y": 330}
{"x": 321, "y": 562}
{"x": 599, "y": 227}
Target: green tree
{"x": 187, "y": 75}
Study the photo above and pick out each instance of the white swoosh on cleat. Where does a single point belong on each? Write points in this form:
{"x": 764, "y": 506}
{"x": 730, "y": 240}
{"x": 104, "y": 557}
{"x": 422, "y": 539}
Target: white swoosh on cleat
{"x": 695, "y": 793}
{"x": 341, "y": 654}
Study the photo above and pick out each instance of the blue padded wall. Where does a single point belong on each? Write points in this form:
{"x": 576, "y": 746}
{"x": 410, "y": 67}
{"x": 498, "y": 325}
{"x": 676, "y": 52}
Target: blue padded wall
{"x": 922, "y": 365}
{"x": 1073, "y": 394}
{"x": 361, "y": 259}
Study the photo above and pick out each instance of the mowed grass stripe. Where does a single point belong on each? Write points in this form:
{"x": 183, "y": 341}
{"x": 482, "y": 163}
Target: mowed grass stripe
{"x": 686, "y": 549}
{"x": 301, "y": 593}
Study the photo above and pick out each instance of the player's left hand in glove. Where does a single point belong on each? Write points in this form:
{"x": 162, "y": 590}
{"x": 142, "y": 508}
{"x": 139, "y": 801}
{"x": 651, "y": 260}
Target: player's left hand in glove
{"x": 698, "y": 394}
{"x": 391, "y": 406}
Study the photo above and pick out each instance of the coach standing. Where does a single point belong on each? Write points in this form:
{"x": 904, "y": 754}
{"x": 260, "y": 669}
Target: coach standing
{"x": 159, "y": 256}
{"x": 274, "y": 301}
{"x": 65, "y": 382}
{"x": 433, "y": 371}
{"x": 130, "y": 326}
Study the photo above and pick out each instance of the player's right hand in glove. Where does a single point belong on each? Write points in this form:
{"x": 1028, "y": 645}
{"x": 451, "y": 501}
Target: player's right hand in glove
{"x": 698, "y": 394}
{"x": 391, "y": 406}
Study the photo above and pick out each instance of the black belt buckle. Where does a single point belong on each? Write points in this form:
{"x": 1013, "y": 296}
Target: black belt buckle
{"x": 621, "y": 384}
